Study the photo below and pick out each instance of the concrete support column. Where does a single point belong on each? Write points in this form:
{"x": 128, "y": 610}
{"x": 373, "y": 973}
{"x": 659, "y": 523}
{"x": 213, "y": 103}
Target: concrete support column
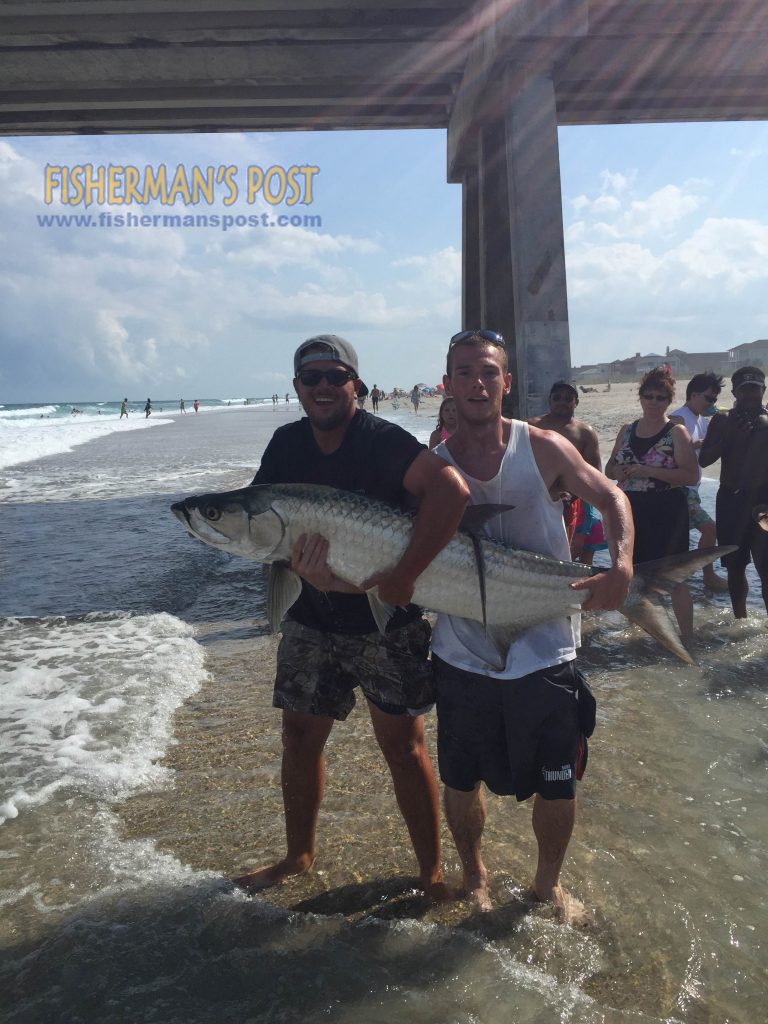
{"x": 513, "y": 253}
{"x": 541, "y": 338}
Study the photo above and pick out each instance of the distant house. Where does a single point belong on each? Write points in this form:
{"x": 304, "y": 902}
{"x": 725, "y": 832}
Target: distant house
{"x": 684, "y": 364}
{"x": 751, "y": 353}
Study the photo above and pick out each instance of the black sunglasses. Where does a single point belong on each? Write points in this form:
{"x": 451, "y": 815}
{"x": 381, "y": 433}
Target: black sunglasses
{"x": 655, "y": 398}
{"x": 309, "y": 378}
{"x": 490, "y": 336}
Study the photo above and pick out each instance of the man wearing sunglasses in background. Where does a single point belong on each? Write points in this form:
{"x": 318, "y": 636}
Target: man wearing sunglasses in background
{"x": 330, "y": 643}
{"x": 701, "y": 393}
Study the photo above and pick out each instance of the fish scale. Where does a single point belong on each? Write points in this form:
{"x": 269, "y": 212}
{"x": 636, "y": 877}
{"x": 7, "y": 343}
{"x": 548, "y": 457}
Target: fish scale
{"x": 366, "y": 536}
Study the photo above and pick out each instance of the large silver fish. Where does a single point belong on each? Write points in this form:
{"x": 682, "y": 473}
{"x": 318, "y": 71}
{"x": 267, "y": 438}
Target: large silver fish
{"x": 473, "y": 577}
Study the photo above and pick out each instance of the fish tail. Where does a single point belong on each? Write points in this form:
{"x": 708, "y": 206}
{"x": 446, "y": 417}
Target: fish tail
{"x": 661, "y": 576}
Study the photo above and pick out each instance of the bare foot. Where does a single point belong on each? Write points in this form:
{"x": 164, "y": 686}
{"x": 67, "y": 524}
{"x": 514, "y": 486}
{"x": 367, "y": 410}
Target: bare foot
{"x": 476, "y": 891}
{"x": 437, "y": 890}
{"x": 715, "y": 583}
{"x": 567, "y": 909}
{"x": 273, "y": 874}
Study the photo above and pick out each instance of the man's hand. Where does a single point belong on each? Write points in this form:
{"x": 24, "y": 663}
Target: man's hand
{"x": 394, "y": 588}
{"x": 309, "y": 558}
{"x": 608, "y": 590}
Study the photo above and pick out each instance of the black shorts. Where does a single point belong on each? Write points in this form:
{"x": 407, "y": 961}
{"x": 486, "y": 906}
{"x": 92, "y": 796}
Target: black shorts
{"x": 735, "y": 525}
{"x": 518, "y": 736}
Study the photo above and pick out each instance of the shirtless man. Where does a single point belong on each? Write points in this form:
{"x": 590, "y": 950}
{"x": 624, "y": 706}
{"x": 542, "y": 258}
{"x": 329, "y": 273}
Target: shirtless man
{"x": 739, "y": 439}
{"x": 563, "y": 399}
{"x": 520, "y": 730}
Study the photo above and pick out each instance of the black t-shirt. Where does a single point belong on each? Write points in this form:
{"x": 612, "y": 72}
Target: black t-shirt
{"x": 372, "y": 459}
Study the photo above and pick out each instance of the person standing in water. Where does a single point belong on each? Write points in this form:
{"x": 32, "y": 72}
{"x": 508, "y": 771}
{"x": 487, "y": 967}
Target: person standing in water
{"x": 196, "y": 405}
{"x": 124, "y": 408}
{"x": 653, "y": 461}
{"x": 563, "y": 399}
{"x": 330, "y": 642}
{"x": 148, "y": 409}
{"x": 182, "y": 406}
{"x": 701, "y": 394}
{"x": 739, "y": 439}
{"x": 520, "y": 730}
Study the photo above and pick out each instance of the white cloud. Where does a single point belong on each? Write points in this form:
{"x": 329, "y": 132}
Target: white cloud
{"x": 613, "y": 181}
{"x": 733, "y": 251}
{"x": 437, "y": 270}
{"x": 656, "y": 272}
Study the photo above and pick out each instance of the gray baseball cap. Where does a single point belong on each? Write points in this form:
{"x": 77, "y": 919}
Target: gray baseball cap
{"x": 325, "y": 346}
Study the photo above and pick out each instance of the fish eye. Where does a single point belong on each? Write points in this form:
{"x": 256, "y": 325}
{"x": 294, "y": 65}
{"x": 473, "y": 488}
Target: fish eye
{"x": 211, "y": 513}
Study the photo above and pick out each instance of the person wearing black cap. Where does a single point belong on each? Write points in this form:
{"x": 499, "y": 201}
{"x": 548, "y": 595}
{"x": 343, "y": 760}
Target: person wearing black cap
{"x": 330, "y": 642}
{"x": 739, "y": 439}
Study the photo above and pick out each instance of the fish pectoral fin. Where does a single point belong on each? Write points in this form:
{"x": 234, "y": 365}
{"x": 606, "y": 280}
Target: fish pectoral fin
{"x": 652, "y": 618}
{"x": 381, "y": 611}
{"x": 283, "y": 589}
{"x": 476, "y": 516}
{"x": 663, "y": 574}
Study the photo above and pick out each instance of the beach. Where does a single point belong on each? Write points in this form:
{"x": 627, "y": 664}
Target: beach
{"x": 142, "y": 761}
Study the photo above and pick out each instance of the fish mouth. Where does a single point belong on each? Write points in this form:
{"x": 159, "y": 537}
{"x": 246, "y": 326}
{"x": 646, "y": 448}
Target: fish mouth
{"x": 179, "y": 509}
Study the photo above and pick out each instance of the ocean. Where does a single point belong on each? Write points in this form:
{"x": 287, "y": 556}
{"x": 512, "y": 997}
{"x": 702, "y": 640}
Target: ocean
{"x": 141, "y": 764}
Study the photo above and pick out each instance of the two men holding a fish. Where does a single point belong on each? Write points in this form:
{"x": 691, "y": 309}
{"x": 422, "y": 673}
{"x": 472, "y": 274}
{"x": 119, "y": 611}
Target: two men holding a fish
{"x": 346, "y": 562}
{"x": 515, "y": 727}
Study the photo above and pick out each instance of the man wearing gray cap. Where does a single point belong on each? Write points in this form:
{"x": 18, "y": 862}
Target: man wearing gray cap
{"x": 739, "y": 439}
{"x": 330, "y": 643}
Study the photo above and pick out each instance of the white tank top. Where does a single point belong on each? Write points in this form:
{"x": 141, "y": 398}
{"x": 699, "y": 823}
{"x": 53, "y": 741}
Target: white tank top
{"x": 535, "y": 524}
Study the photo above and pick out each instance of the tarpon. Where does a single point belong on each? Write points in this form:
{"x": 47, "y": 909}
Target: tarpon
{"x": 476, "y": 578}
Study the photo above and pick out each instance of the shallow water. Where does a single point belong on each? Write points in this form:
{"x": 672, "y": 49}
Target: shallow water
{"x": 141, "y": 767}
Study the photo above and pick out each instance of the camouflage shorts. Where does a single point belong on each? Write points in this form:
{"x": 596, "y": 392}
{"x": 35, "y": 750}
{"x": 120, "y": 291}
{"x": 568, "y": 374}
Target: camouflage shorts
{"x": 697, "y": 514}
{"x": 317, "y": 672}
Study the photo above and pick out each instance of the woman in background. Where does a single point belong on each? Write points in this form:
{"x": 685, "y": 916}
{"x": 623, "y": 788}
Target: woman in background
{"x": 654, "y": 461}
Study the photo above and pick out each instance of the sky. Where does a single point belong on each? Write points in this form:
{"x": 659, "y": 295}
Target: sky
{"x": 666, "y": 230}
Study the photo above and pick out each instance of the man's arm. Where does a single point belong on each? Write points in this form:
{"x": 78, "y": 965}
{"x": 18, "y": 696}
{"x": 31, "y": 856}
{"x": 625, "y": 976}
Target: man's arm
{"x": 442, "y": 495}
{"x": 558, "y": 460}
{"x": 712, "y": 448}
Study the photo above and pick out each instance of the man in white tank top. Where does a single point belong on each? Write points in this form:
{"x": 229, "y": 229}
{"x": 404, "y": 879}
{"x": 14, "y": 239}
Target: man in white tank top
{"x": 701, "y": 393}
{"x": 520, "y": 730}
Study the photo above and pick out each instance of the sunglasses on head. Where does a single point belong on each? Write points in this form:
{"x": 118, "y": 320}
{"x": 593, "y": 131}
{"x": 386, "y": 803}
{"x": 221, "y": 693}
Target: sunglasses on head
{"x": 490, "y": 336}
{"x": 336, "y": 378}
{"x": 655, "y": 398}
